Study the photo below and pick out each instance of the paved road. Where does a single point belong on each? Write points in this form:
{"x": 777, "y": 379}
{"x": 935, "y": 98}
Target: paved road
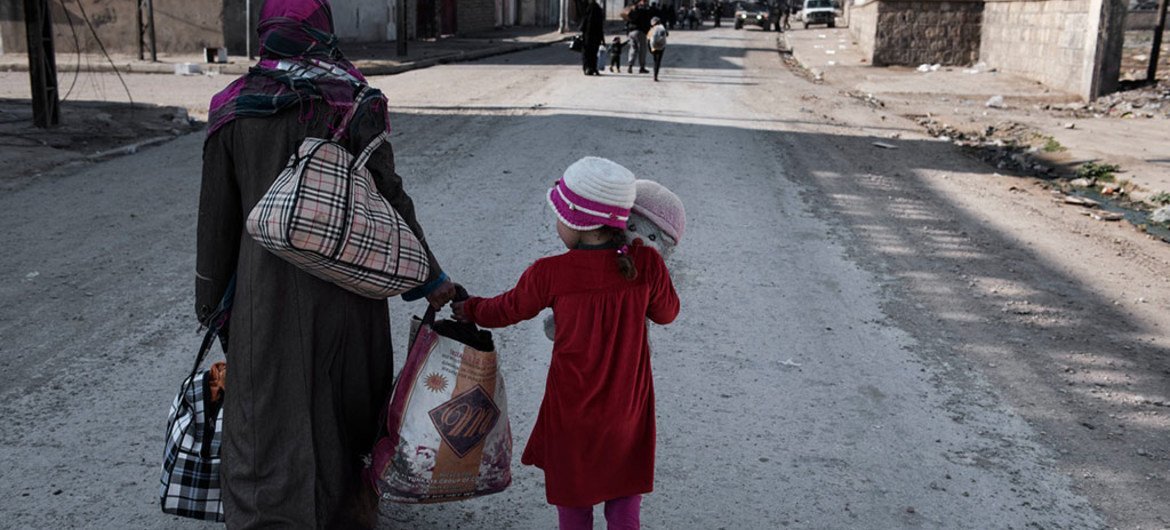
{"x": 793, "y": 391}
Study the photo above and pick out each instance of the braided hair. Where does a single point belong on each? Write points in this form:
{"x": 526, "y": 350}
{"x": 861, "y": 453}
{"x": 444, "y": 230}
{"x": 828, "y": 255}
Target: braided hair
{"x": 624, "y": 259}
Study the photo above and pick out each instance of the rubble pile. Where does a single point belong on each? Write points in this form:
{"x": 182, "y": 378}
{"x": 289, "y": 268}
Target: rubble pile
{"x": 1007, "y": 145}
{"x": 1150, "y": 102}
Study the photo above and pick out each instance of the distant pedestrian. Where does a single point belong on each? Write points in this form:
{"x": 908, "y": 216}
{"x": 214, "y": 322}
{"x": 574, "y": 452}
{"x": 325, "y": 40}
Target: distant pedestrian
{"x": 615, "y": 54}
{"x": 638, "y": 25}
{"x": 592, "y": 33}
{"x": 695, "y": 18}
{"x": 718, "y": 13}
{"x": 309, "y": 363}
{"x": 783, "y": 9}
{"x": 657, "y": 40}
{"x": 595, "y": 434}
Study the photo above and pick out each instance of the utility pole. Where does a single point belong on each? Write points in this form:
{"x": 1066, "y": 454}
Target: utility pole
{"x": 42, "y": 63}
{"x": 1152, "y": 71}
{"x": 248, "y": 27}
{"x": 400, "y": 27}
{"x": 141, "y": 24}
{"x": 153, "y": 39}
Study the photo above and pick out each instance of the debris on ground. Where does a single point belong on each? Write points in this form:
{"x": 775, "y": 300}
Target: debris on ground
{"x": 884, "y": 145}
{"x": 996, "y": 102}
{"x": 1105, "y": 216}
{"x": 1161, "y": 215}
{"x": 1080, "y": 201}
{"x": 1148, "y": 101}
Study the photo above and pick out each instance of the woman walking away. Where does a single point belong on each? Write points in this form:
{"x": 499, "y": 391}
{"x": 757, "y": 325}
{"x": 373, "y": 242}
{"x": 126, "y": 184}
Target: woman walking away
{"x": 309, "y": 363}
{"x": 593, "y": 33}
{"x": 594, "y": 435}
{"x": 657, "y": 39}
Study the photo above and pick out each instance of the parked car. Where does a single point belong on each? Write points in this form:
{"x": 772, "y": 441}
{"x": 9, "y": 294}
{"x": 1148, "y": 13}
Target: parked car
{"x": 755, "y": 13}
{"x": 818, "y": 12}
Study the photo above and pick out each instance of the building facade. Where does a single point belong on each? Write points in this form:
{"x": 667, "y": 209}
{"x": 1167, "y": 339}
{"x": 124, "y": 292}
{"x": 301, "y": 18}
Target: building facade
{"x": 188, "y": 26}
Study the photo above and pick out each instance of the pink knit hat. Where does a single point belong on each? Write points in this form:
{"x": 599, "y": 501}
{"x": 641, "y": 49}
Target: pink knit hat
{"x": 593, "y": 192}
{"x": 662, "y": 207}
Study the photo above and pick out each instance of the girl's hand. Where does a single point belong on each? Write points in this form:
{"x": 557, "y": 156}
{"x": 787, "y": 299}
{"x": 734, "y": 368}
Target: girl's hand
{"x": 459, "y": 311}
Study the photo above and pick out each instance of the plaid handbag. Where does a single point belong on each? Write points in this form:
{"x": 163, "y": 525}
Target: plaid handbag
{"x": 325, "y": 215}
{"x": 190, "y": 484}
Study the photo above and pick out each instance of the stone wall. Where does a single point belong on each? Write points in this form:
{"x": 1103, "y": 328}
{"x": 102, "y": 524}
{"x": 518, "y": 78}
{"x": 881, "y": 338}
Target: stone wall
{"x": 1071, "y": 45}
{"x": 933, "y": 32}
{"x": 1043, "y": 39}
{"x": 476, "y": 15}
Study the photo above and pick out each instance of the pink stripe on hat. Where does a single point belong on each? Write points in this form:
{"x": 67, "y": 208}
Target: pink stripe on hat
{"x": 580, "y": 213}
{"x": 593, "y": 192}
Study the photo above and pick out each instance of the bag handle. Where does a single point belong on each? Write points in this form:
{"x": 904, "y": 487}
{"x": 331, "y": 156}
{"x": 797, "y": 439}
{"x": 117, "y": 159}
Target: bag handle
{"x": 217, "y": 321}
{"x": 357, "y": 102}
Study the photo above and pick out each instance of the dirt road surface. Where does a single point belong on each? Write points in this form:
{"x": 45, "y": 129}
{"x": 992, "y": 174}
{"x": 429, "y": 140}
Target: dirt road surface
{"x": 870, "y": 337}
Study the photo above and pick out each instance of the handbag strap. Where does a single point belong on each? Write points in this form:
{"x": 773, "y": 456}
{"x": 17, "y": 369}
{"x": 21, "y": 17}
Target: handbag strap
{"x": 366, "y": 153}
{"x": 357, "y": 102}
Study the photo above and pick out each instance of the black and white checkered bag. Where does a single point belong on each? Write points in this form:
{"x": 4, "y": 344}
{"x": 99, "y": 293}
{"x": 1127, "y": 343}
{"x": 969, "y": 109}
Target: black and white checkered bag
{"x": 190, "y": 484}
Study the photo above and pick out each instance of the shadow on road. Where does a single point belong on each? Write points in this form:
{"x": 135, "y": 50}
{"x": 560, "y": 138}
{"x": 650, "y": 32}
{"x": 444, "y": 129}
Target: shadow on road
{"x": 1070, "y": 363}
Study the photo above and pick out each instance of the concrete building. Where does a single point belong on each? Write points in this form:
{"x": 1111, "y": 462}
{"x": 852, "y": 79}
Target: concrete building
{"x": 1070, "y": 45}
{"x": 187, "y": 26}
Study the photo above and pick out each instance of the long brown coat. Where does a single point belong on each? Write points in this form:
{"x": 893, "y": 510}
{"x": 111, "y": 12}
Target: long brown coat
{"x": 309, "y": 364}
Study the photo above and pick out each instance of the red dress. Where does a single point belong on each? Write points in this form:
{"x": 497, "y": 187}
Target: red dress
{"x": 594, "y": 436}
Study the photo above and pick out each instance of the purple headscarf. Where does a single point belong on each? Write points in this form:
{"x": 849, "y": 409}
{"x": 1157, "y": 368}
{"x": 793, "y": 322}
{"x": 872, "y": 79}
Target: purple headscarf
{"x": 299, "y": 62}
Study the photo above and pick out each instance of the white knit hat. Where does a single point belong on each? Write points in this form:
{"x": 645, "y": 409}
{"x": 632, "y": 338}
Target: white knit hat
{"x": 593, "y": 192}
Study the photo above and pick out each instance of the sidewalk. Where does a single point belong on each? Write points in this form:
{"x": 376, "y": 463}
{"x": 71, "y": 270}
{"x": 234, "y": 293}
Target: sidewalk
{"x": 371, "y": 58}
{"x": 1034, "y": 130}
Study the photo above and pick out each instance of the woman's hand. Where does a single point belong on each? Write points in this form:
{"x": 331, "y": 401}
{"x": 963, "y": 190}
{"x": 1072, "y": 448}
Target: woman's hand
{"x": 441, "y": 295}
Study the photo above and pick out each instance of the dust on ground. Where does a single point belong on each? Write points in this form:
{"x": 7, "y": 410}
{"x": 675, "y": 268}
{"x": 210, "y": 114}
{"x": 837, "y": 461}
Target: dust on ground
{"x": 89, "y": 131}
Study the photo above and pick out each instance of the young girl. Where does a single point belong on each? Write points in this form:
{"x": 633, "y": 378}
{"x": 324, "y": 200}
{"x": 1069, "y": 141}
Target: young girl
{"x": 594, "y": 436}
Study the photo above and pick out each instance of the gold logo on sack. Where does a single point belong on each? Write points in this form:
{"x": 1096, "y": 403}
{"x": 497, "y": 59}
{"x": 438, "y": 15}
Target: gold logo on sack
{"x": 466, "y": 419}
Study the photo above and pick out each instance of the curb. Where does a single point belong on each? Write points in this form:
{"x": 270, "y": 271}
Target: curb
{"x": 370, "y": 67}
{"x": 457, "y": 57}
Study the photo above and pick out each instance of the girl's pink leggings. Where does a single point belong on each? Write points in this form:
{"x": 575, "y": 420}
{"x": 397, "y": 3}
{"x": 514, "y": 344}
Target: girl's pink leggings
{"x": 620, "y": 514}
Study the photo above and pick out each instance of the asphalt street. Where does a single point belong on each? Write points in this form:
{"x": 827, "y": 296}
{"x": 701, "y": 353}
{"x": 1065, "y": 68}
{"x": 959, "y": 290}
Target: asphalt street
{"x": 794, "y": 390}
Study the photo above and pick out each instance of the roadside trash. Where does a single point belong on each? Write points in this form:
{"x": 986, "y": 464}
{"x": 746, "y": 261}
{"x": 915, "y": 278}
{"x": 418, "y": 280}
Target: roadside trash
{"x": 1082, "y": 183}
{"x": 789, "y": 363}
{"x": 1080, "y": 201}
{"x": 832, "y": 63}
{"x": 215, "y": 55}
{"x": 884, "y": 145}
{"x": 1161, "y": 215}
{"x": 1070, "y": 125}
{"x": 923, "y": 68}
{"x": 1106, "y": 216}
{"x": 32, "y": 275}
{"x": 996, "y": 102}
{"x": 187, "y": 69}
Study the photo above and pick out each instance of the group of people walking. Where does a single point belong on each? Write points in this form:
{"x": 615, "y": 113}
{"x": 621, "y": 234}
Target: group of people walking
{"x": 646, "y": 32}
